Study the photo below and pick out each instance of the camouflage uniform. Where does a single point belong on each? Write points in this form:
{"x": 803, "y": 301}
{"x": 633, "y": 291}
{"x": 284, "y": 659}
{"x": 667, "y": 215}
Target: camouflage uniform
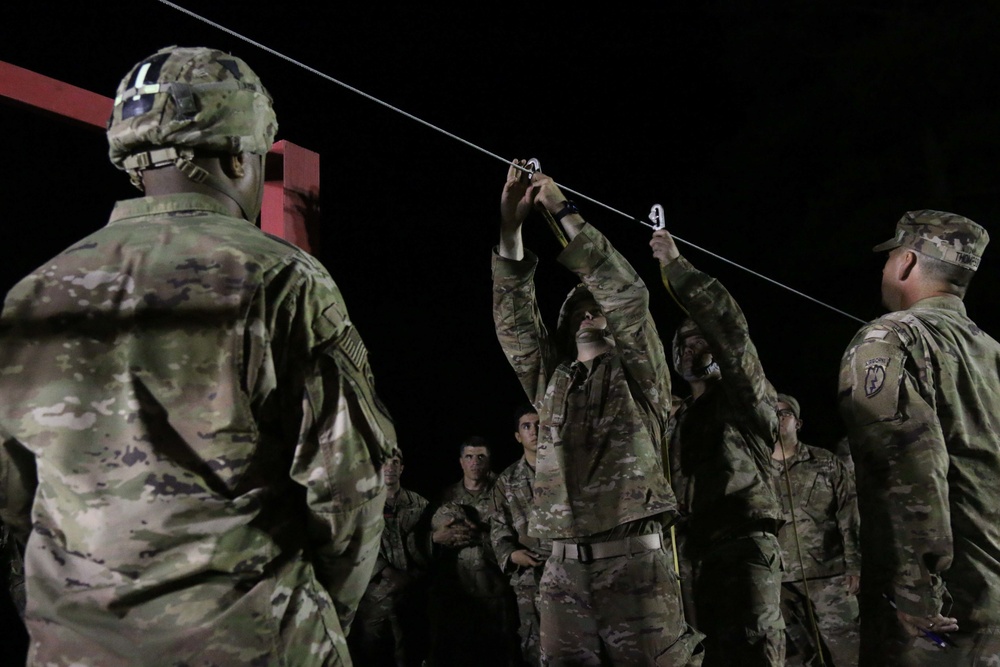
{"x": 513, "y": 495}
{"x": 920, "y": 394}
{"x": 599, "y": 479}
{"x": 473, "y": 606}
{"x": 191, "y": 438}
{"x": 723, "y": 442}
{"x": 826, "y": 521}
{"x": 388, "y": 628}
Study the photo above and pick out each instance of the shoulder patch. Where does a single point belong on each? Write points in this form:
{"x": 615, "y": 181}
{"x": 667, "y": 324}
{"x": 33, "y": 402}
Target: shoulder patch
{"x": 874, "y": 375}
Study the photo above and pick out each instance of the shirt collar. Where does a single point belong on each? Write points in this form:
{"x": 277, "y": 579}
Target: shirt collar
{"x": 190, "y": 203}
{"x": 943, "y": 302}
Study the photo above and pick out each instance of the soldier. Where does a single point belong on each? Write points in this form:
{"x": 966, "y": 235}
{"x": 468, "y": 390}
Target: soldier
{"x": 722, "y": 442}
{"x": 189, "y": 431}
{"x": 473, "y": 606}
{"x": 518, "y": 554}
{"x": 819, "y": 549}
{"x": 920, "y": 395}
{"x": 388, "y": 629}
{"x": 608, "y": 594}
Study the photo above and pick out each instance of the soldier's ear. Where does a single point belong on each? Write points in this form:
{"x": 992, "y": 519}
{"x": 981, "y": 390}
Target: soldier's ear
{"x": 907, "y": 264}
{"x": 798, "y": 424}
{"x": 233, "y": 165}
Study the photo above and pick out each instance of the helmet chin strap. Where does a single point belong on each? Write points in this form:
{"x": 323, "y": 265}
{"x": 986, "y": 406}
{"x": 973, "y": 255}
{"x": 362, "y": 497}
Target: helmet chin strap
{"x": 182, "y": 160}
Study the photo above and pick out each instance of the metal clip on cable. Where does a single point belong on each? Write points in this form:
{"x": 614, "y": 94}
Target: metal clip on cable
{"x": 532, "y": 166}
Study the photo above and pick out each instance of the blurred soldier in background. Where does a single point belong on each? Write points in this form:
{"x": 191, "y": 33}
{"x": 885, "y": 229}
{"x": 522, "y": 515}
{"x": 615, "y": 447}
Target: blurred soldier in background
{"x": 819, "y": 548}
{"x": 390, "y": 628}
{"x": 473, "y": 611}
{"x": 518, "y": 554}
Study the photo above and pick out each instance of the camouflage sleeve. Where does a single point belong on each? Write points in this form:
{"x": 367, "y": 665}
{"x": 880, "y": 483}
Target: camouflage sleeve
{"x": 623, "y": 297}
{"x": 503, "y": 537}
{"x": 418, "y": 533}
{"x": 519, "y": 326}
{"x": 725, "y": 328}
{"x": 901, "y": 462}
{"x": 848, "y": 518}
{"x": 346, "y": 434}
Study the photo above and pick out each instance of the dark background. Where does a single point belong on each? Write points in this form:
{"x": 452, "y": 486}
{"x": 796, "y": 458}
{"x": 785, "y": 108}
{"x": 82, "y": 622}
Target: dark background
{"x": 787, "y": 137}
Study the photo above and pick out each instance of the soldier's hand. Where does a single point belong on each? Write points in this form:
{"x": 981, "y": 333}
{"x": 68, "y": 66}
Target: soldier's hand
{"x": 664, "y": 247}
{"x": 547, "y": 193}
{"x": 937, "y": 624}
{"x": 853, "y": 584}
{"x": 456, "y": 533}
{"x": 525, "y": 558}
{"x": 517, "y": 198}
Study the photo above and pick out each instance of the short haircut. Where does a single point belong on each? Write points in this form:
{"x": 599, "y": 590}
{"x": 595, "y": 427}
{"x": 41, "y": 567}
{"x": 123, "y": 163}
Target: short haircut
{"x": 523, "y": 409}
{"x": 475, "y": 441}
{"x": 955, "y": 278}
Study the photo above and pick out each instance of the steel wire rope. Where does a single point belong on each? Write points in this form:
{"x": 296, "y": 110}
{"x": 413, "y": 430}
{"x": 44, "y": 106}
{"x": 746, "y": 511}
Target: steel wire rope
{"x": 327, "y": 77}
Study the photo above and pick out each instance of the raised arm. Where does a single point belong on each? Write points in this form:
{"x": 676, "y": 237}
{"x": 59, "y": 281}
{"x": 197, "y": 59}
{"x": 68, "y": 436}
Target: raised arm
{"x": 518, "y": 322}
{"x": 724, "y": 327}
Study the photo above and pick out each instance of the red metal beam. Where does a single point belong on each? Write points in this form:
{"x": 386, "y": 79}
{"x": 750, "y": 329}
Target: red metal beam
{"x": 45, "y": 94}
{"x": 291, "y": 195}
{"x": 291, "y": 188}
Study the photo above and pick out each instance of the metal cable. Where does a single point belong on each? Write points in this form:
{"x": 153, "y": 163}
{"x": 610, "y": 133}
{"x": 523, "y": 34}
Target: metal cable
{"x": 507, "y": 161}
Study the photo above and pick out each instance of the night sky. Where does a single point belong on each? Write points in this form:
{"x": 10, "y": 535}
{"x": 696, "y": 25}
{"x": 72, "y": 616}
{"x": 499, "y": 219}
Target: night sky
{"x": 787, "y": 137}
{"x": 787, "y": 140}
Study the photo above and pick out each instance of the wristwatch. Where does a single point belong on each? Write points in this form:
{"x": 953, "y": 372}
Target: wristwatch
{"x": 568, "y": 208}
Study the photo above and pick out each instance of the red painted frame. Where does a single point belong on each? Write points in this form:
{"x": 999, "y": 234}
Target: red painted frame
{"x": 291, "y": 187}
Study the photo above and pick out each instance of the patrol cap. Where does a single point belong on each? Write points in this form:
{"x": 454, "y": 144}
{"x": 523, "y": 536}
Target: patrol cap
{"x": 946, "y": 236}
{"x": 792, "y": 403}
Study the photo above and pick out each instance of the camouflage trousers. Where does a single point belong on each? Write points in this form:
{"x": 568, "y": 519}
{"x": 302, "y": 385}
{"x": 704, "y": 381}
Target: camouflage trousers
{"x": 836, "y": 614}
{"x": 526, "y": 590}
{"x": 623, "y": 610}
{"x": 738, "y": 601}
{"x": 687, "y": 573}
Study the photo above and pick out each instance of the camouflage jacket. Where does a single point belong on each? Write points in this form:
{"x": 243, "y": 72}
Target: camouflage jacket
{"x": 474, "y": 568}
{"x": 512, "y": 500}
{"x": 174, "y": 391}
{"x": 722, "y": 442}
{"x": 599, "y": 459}
{"x": 826, "y": 515}
{"x": 920, "y": 394}
{"x": 405, "y": 545}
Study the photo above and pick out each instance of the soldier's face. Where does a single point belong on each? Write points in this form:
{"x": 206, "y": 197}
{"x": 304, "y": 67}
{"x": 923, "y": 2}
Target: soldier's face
{"x": 475, "y": 463}
{"x": 527, "y": 432}
{"x": 788, "y": 423}
{"x": 695, "y": 353}
{"x": 586, "y": 314}
{"x": 391, "y": 471}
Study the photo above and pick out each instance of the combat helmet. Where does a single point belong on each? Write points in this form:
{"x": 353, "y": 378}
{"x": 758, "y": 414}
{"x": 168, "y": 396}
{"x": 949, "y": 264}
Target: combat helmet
{"x": 181, "y": 102}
